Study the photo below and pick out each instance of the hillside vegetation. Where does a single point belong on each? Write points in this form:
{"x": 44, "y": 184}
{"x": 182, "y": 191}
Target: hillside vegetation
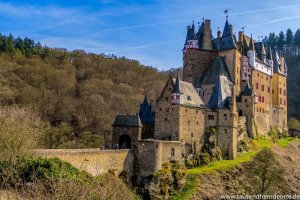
{"x": 77, "y": 93}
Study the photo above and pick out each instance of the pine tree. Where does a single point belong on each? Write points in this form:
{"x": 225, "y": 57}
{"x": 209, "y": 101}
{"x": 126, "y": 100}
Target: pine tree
{"x": 272, "y": 40}
{"x": 289, "y": 37}
{"x": 280, "y": 40}
{"x": 297, "y": 38}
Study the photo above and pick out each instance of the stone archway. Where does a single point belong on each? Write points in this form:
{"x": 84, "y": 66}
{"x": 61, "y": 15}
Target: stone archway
{"x": 124, "y": 142}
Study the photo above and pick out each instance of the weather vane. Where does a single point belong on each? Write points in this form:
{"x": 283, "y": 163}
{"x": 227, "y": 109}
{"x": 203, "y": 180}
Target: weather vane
{"x": 226, "y": 13}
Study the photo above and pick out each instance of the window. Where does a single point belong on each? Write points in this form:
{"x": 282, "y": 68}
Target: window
{"x": 225, "y": 116}
{"x": 196, "y": 111}
{"x": 197, "y": 123}
{"x": 263, "y": 99}
{"x": 269, "y": 89}
{"x": 225, "y": 131}
{"x": 166, "y": 119}
{"x": 267, "y": 78}
{"x": 189, "y": 121}
{"x": 257, "y": 74}
{"x": 211, "y": 117}
{"x": 189, "y": 98}
{"x": 185, "y": 110}
{"x": 279, "y": 90}
{"x": 172, "y": 152}
{"x": 192, "y": 135}
{"x": 166, "y": 98}
{"x": 159, "y": 109}
{"x": 262, "y": 87}
{"x": 280, "y": 101}
{"x": 246, "y": 100}
{"x": 257, "y": 86}
{"x": 273, "y": 91}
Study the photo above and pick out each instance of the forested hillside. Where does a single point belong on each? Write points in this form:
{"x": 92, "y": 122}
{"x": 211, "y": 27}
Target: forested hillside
{"x": 77, "y": 93}
{"x": 289, "y": 44}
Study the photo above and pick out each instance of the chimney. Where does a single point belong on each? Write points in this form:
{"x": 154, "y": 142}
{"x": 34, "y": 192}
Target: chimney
{"x": 231, "y": 29}
{"x": 207, "y": 40}
{"x": 241, "y": 35}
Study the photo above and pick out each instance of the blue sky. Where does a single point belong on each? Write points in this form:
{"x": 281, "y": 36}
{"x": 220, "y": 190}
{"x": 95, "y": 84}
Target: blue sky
{"x": 150, "y": 31}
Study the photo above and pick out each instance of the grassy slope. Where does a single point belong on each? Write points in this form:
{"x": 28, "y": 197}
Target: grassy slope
{"x": 193, "y": 181}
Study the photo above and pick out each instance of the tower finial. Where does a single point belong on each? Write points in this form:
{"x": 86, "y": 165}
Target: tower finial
{"x": 226, "y": 13}
{"x": 202, "y": 19}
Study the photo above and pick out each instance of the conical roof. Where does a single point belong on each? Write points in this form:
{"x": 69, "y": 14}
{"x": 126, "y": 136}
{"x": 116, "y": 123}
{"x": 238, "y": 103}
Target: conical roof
{"x": 251, "y": 45}
{"x": 177, "y": 86}
{"x": 247, "y": 90}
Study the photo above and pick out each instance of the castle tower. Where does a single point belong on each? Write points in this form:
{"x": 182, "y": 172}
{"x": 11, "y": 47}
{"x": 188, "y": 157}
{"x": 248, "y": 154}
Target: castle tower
{"x": 196, "y": 61}
{"x": 230, "y": 51}
{"x": 147, "y": 119}
{"x": 251, "y": 53}
{"x": 270, "y": 57}
{"x": 279, "y": 92}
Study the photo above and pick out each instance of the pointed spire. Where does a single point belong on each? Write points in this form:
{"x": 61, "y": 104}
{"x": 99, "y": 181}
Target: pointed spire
{"x": 263, "y": 50}
{"x": 146, "y": 102}
{"x": 247, "y": 90}
{"x": 270, "y": 56}
{"x": 251, "y": 45}
{"x": 177, "y": 86}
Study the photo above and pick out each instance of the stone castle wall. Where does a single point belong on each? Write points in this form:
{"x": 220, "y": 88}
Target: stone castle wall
{"x": 192, "y": 128}
{"x": 196, "y": 64}
{"x": 93, "y": 161}
{"x": 152, "y": 154}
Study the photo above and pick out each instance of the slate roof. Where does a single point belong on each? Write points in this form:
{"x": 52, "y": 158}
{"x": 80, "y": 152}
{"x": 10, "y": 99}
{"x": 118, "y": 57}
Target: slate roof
{"x": 177, "y": 86}
{"x": 218, "y": 68}
{"x": 228, "y": 40}
{"x": 191, "y": 33}
{"x": 247, "y": 90}
{"x": 221, "y": 94}
{"x": 277, "y": 63}
{"x": 189, "y": 95}
{"x": 200, "y": 34}
{"x": 251, "y": 45}
{"x": 246, "y": 42}
{"x": 127, "y": 121}
{"x": 269, "y": 55}
{"x": 260, "y": 48}
{"x": 145, "y": 112}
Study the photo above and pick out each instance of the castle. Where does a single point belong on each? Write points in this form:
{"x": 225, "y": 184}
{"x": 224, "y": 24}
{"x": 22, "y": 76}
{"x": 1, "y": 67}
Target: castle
{"x": 228, "y": 83}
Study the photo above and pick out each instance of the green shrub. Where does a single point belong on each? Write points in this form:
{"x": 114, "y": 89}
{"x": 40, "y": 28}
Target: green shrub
{"x": 46, "y": 170}
{"x": 274, "y": 135}
{"x": 204, "y": 158}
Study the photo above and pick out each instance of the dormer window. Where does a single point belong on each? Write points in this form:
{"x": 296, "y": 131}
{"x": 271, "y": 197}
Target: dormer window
{"x": 189, "y": 98}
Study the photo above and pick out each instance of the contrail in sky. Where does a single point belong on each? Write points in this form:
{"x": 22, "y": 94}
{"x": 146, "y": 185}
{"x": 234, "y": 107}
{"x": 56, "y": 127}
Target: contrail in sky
{"x": 145, "y": 46}
{"x": 180, "y": 40}
{"x": 274, "y": 21}
{"x": 216, "y": 16}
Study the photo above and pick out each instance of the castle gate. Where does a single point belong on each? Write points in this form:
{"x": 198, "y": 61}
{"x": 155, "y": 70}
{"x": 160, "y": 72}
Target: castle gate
{"x": 124, "y": 142}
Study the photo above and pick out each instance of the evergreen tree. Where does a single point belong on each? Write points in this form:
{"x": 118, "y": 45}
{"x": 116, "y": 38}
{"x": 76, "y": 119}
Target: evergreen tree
{"x": 272, "y": 40}
{"x": 280, "y": 40}
{"x": 297, "y": 38}
{"x": 289, "y": 37}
